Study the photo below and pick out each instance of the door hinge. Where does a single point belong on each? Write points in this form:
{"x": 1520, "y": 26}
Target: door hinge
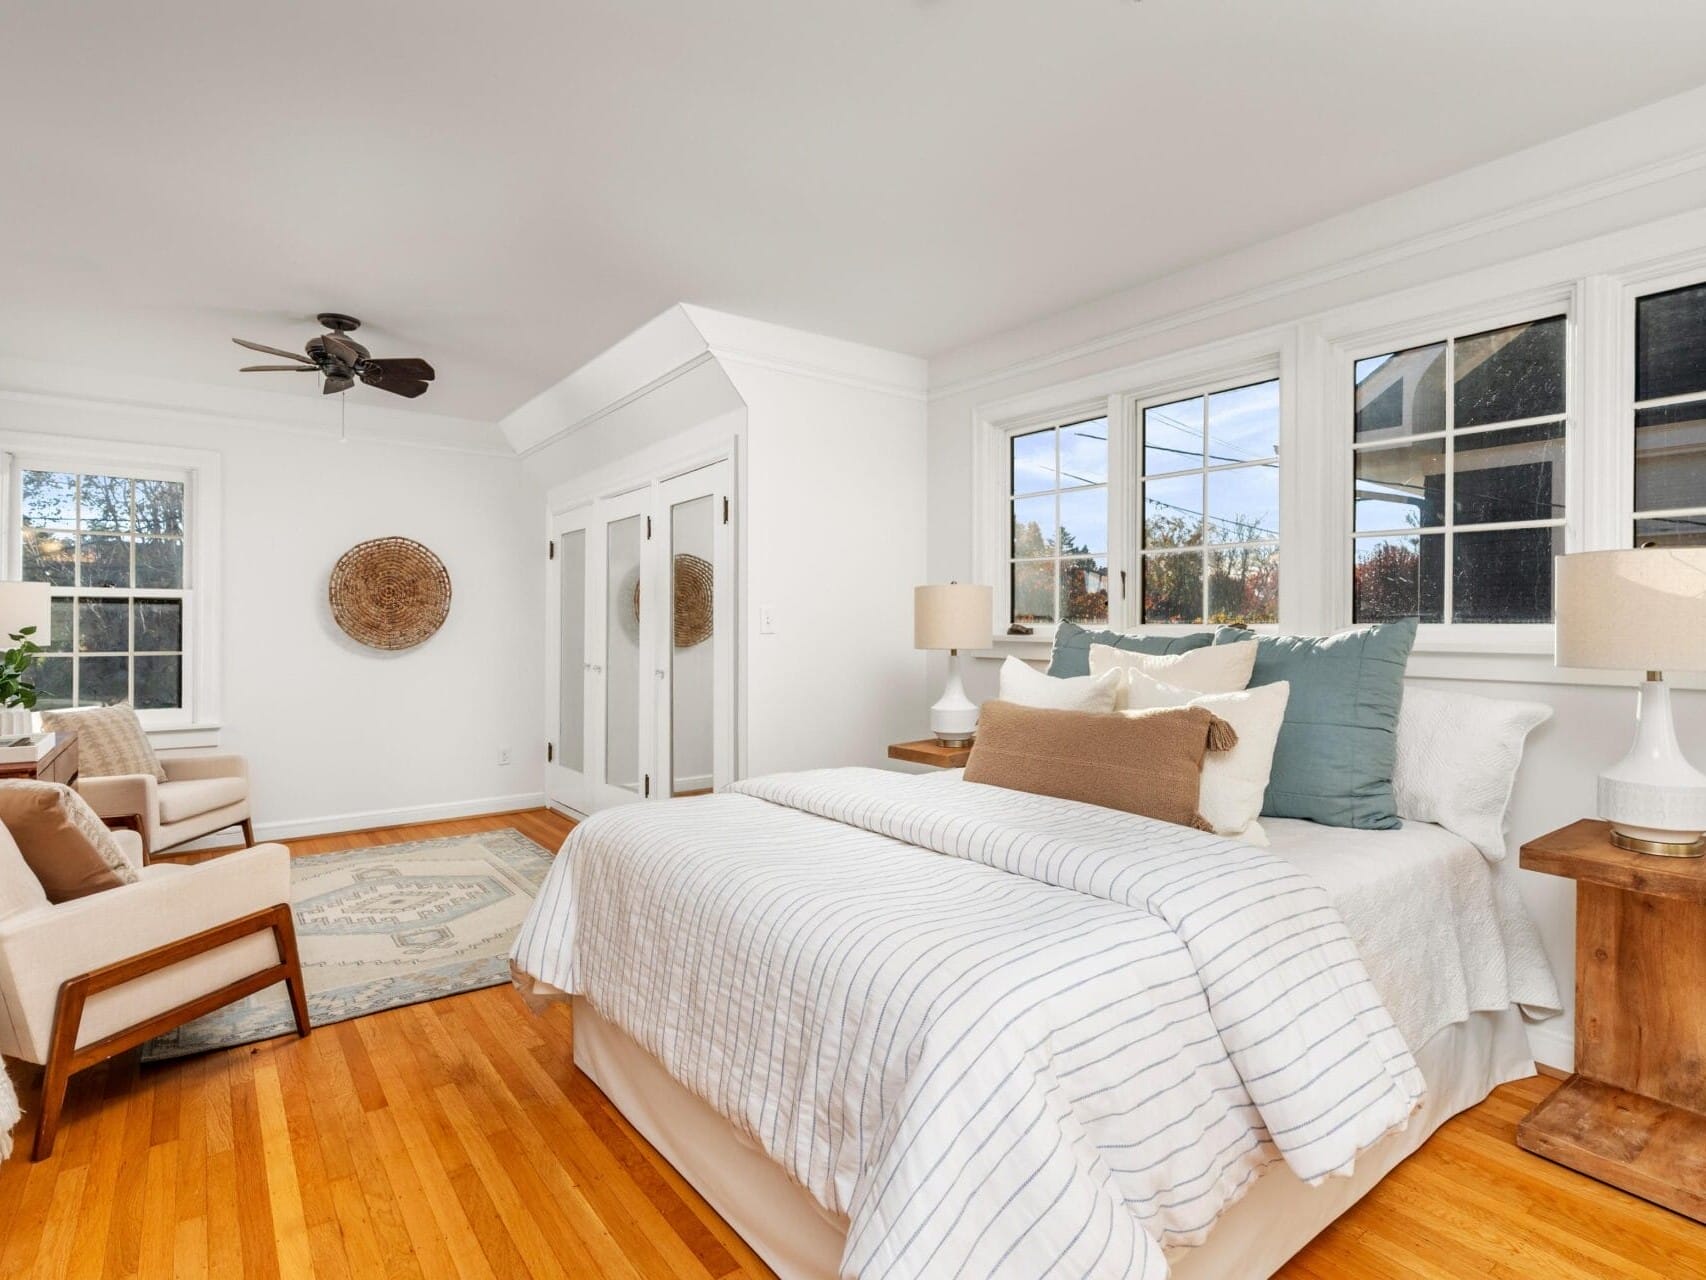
{"x": 1122, "y": 584}
{"x": 648, "y": 528}
{"x": 725, "y": 510}
{"x": 550, "y": 550}
{"x": 550, "y": 752}
{"x": 648, "y": 794}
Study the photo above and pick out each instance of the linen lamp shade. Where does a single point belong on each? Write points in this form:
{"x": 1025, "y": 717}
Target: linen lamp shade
{"x": 955, "y": 616}
{"x": 26, "y": 604}
{"x": 1642, "y": 610}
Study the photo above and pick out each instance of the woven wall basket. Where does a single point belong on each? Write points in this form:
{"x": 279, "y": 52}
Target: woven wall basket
{"x": 694, "y": 596}
{"x": 389, "y": 593}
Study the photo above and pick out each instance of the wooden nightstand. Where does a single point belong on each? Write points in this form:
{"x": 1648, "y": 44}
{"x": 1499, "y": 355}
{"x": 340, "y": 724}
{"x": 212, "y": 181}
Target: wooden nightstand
{"x": 1634, "y": 1112}
{"x": 929, "y": 751}
{"x": 58, "y": 765}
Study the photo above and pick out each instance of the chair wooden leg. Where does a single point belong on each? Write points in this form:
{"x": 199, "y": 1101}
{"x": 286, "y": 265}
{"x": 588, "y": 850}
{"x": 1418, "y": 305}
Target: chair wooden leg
{"x": 284, "y": 930}
{"x": 248, "y": 834}
{"x": 67, "y": 1019}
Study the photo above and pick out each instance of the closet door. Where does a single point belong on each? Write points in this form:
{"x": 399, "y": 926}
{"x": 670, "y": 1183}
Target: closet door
{"x": 625, "y": 698}
{"x": 693, "y": 637}
{"x": 571, "y": 678}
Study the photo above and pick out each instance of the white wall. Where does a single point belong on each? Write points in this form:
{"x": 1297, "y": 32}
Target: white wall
{"x": 339, "y": 735}
{"x": 1617, "y": 196}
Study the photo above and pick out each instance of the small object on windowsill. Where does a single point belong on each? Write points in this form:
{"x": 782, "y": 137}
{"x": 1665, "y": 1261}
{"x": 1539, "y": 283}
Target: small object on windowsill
{"x": 931, "y": 752}
{"x": 1020, "y": 629}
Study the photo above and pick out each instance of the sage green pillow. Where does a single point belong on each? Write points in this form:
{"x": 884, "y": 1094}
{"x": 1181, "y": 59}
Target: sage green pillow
{"x": 1072, "y": 643}
{"x": 1334, "y": 758}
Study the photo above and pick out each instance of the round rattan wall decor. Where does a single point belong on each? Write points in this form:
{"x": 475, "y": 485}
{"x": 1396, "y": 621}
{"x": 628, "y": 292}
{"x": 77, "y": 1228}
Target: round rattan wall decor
{"x": 693, "y": 600}
{"x": 389, "y": 593}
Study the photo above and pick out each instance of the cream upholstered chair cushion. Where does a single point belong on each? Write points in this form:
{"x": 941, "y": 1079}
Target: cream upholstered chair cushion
{"x": 110, "y": 741}
{"x": 201, "y": 794}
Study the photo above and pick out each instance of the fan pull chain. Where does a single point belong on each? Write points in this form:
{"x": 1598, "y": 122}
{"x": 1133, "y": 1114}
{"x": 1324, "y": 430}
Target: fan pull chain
{"x": 343, "y": 415}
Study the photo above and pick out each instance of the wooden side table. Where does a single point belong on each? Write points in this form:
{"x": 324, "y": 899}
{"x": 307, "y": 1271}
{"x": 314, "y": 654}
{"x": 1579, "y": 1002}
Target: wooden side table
{"x": 1634, "y": 1112}
{"x": 58, "y": 765}
{"x": 929, "y": 751}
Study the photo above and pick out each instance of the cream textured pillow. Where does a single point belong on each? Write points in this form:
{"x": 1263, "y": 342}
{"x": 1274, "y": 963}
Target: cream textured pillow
{"x": 1222, "y": 668}
{"x": 110, "y": 741}
{"x": 1233, "y": 782}
{"x": 1457, "y": 759}
{"x": 1025, "y": 685}
{"x": 68, "y": 848}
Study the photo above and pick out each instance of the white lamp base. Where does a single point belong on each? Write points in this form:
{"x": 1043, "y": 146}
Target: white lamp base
{"x": 1654, "y": 799}
{"x": 953, "y": 720}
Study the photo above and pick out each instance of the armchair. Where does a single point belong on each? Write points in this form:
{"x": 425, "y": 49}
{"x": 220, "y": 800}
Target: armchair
{"x": 202, "y": 794}
{"x": 85, "y": 980}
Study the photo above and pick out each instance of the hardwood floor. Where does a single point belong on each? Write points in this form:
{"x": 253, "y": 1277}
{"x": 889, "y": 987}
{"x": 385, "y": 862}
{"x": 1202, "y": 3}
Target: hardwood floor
{"x": 456, "y": 1139}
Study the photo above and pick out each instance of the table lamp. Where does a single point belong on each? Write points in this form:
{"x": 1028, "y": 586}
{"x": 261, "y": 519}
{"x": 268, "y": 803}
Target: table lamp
{"x": 1642, "y": 610}
{"x": 953, "y": 617}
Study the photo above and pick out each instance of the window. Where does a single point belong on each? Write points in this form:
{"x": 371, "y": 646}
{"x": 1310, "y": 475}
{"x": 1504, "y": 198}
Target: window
{"x": 1670, "y": 418}
{"x": 114, "y": 547}
{"x": 1459, "y": 477}
{"x": 1058, "y": 546}
{"x": 1209, "y": 546}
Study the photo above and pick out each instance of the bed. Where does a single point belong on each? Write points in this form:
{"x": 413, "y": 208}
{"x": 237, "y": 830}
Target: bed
{"x": 739, "y": 1053}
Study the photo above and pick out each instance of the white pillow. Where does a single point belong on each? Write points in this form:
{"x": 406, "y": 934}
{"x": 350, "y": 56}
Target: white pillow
{"x": 1216, "y": 668}
{"x": 1457, "y": 759}
{"x": 1024, "y": 684}
{"x": 1233, "y": 782}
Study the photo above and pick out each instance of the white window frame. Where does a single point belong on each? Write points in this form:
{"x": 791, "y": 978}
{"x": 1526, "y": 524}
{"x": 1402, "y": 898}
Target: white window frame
{"x": 1688, "y": 273}
{"x": 196, "y": 723}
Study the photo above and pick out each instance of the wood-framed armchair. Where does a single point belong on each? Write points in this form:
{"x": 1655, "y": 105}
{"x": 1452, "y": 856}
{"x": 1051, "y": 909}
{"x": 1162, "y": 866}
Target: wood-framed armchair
{"x": 85, "y": 980}
{"x": 202, "y": 794}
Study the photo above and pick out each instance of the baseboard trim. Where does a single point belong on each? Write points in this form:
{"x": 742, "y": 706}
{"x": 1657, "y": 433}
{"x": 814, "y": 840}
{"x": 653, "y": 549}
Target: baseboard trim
{"x": 370, "y": 819}
{"x": 1553, "y": 1045}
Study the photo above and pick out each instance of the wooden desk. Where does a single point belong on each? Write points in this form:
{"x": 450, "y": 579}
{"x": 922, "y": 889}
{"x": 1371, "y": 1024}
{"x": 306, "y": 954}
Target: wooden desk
{"x": 1634, "y": 1112}
{"x": 58, "y": 765}
{"x": 929, "y": 751}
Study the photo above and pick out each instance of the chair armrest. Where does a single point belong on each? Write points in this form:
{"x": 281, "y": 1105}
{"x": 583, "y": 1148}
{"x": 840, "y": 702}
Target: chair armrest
{"x": 77, "y": 937}
{"x": 194, "y": 768}
{"x": 122, "y": 796}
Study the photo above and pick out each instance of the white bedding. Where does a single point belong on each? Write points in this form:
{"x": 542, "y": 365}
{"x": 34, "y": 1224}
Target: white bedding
{"x": 1068, "y": 1043}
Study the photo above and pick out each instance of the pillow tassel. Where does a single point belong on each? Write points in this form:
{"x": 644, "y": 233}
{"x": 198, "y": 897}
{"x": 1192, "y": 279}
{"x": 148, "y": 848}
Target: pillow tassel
{"x": 1221, "y": 735}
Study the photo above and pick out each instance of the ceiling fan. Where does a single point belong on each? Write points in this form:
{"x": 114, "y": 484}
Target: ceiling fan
{"x": 343, "y": 360}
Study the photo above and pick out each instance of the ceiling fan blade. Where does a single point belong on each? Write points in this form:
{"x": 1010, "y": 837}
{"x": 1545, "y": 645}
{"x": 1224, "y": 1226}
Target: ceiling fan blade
{"x": 273, "y": 351}
{"x": 410, "y": 387}
{"x": 278, "y": 368}
{"x": 404, "y": 367}
{"x": 336, "y": 382}
{"x": 342, "y": 348}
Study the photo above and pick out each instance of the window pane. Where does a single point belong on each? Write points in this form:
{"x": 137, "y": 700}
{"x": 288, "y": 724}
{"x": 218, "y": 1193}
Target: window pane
{"x": 1401, "y": 577}
{"x": 159, "y": 626}
{"x": 102, "y": 680}
{"x": 50, "y": 499}
{"x": 1033, "y": 527}
{"x": 1402, "y": 487}
{"x": 1172, "y": 587}
{"x": 1402, "y": 394}
{"x": 159, "y": 562}
{"x": 1243, "y": 585}
{"x": 1670, "y": 343}
{"x": 103, "y": 626}
{"x": 1504, "y": 575}
{"x": 159, "y": 506}
{"x": 104, "y": 503}
{"x": 61, "y": 626}
{"x": 1083, "y": 521}
{"x": 48, "y": 558}
{"x": 1243, "y": 423}
{"x": 1672, "y": 531}
{"x": 106, "y": 560}
{"x": 52, "y": 679}
{"x": 1033, "y": 461}
{"x": 1033, "y": 591}
{"x": 1084, "y": 590}
{"x": 1084, "y": 453}
{"x": 1670, "y": 457}
{"x": 159, "y": 681}
{"x": 1516, "y": 474}
{"x": 1173, "y": 436}
{"x": 1243, "y": 504}
{"x": 1172, "y": 512}
{"x": 1511, "y": 373}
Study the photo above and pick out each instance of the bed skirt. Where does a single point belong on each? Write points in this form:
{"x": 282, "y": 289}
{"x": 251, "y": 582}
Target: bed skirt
{"x": 1463, "y": 1063}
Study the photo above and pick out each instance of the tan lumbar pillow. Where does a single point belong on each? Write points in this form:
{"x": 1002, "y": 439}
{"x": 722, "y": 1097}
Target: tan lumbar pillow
{"x": 68, "y": 848}
{"x": 110, "y": 741}
{"x": 1148, "y": 763}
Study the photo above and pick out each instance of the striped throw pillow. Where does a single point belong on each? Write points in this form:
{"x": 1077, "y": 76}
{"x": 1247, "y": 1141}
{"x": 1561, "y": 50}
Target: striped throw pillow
{"x": 110, "y": 741}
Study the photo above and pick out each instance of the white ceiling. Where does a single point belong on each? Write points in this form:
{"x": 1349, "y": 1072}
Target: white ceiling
{"x": 508, "y": 188}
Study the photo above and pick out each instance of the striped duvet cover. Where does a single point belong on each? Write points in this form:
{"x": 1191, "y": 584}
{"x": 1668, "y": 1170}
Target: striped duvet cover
{"x": 1005, "y": 1035}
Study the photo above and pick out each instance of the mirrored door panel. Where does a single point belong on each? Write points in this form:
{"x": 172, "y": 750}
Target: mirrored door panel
{"x": 623, "y": 660}
{"x": 573, "y": 663}
{"x": 693, "y": 646}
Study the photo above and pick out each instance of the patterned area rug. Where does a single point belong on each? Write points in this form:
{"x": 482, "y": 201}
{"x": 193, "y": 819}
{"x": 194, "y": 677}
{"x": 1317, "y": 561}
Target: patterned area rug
{"x": 384, "y": 927}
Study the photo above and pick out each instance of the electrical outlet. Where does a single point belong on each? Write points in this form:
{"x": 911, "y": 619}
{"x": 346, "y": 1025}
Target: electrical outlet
{"x": 766, "y": 620}
{"x": 503, "y": 755}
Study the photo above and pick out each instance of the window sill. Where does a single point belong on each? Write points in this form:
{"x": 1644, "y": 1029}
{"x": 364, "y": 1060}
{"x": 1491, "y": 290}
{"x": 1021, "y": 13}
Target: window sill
{"x": 183, "y": 737}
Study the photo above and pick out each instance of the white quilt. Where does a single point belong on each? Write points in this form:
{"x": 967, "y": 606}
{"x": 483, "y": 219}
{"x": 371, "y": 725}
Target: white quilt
{"x": 8, "y": 1112}
{"x": 1006, "y": 1035}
